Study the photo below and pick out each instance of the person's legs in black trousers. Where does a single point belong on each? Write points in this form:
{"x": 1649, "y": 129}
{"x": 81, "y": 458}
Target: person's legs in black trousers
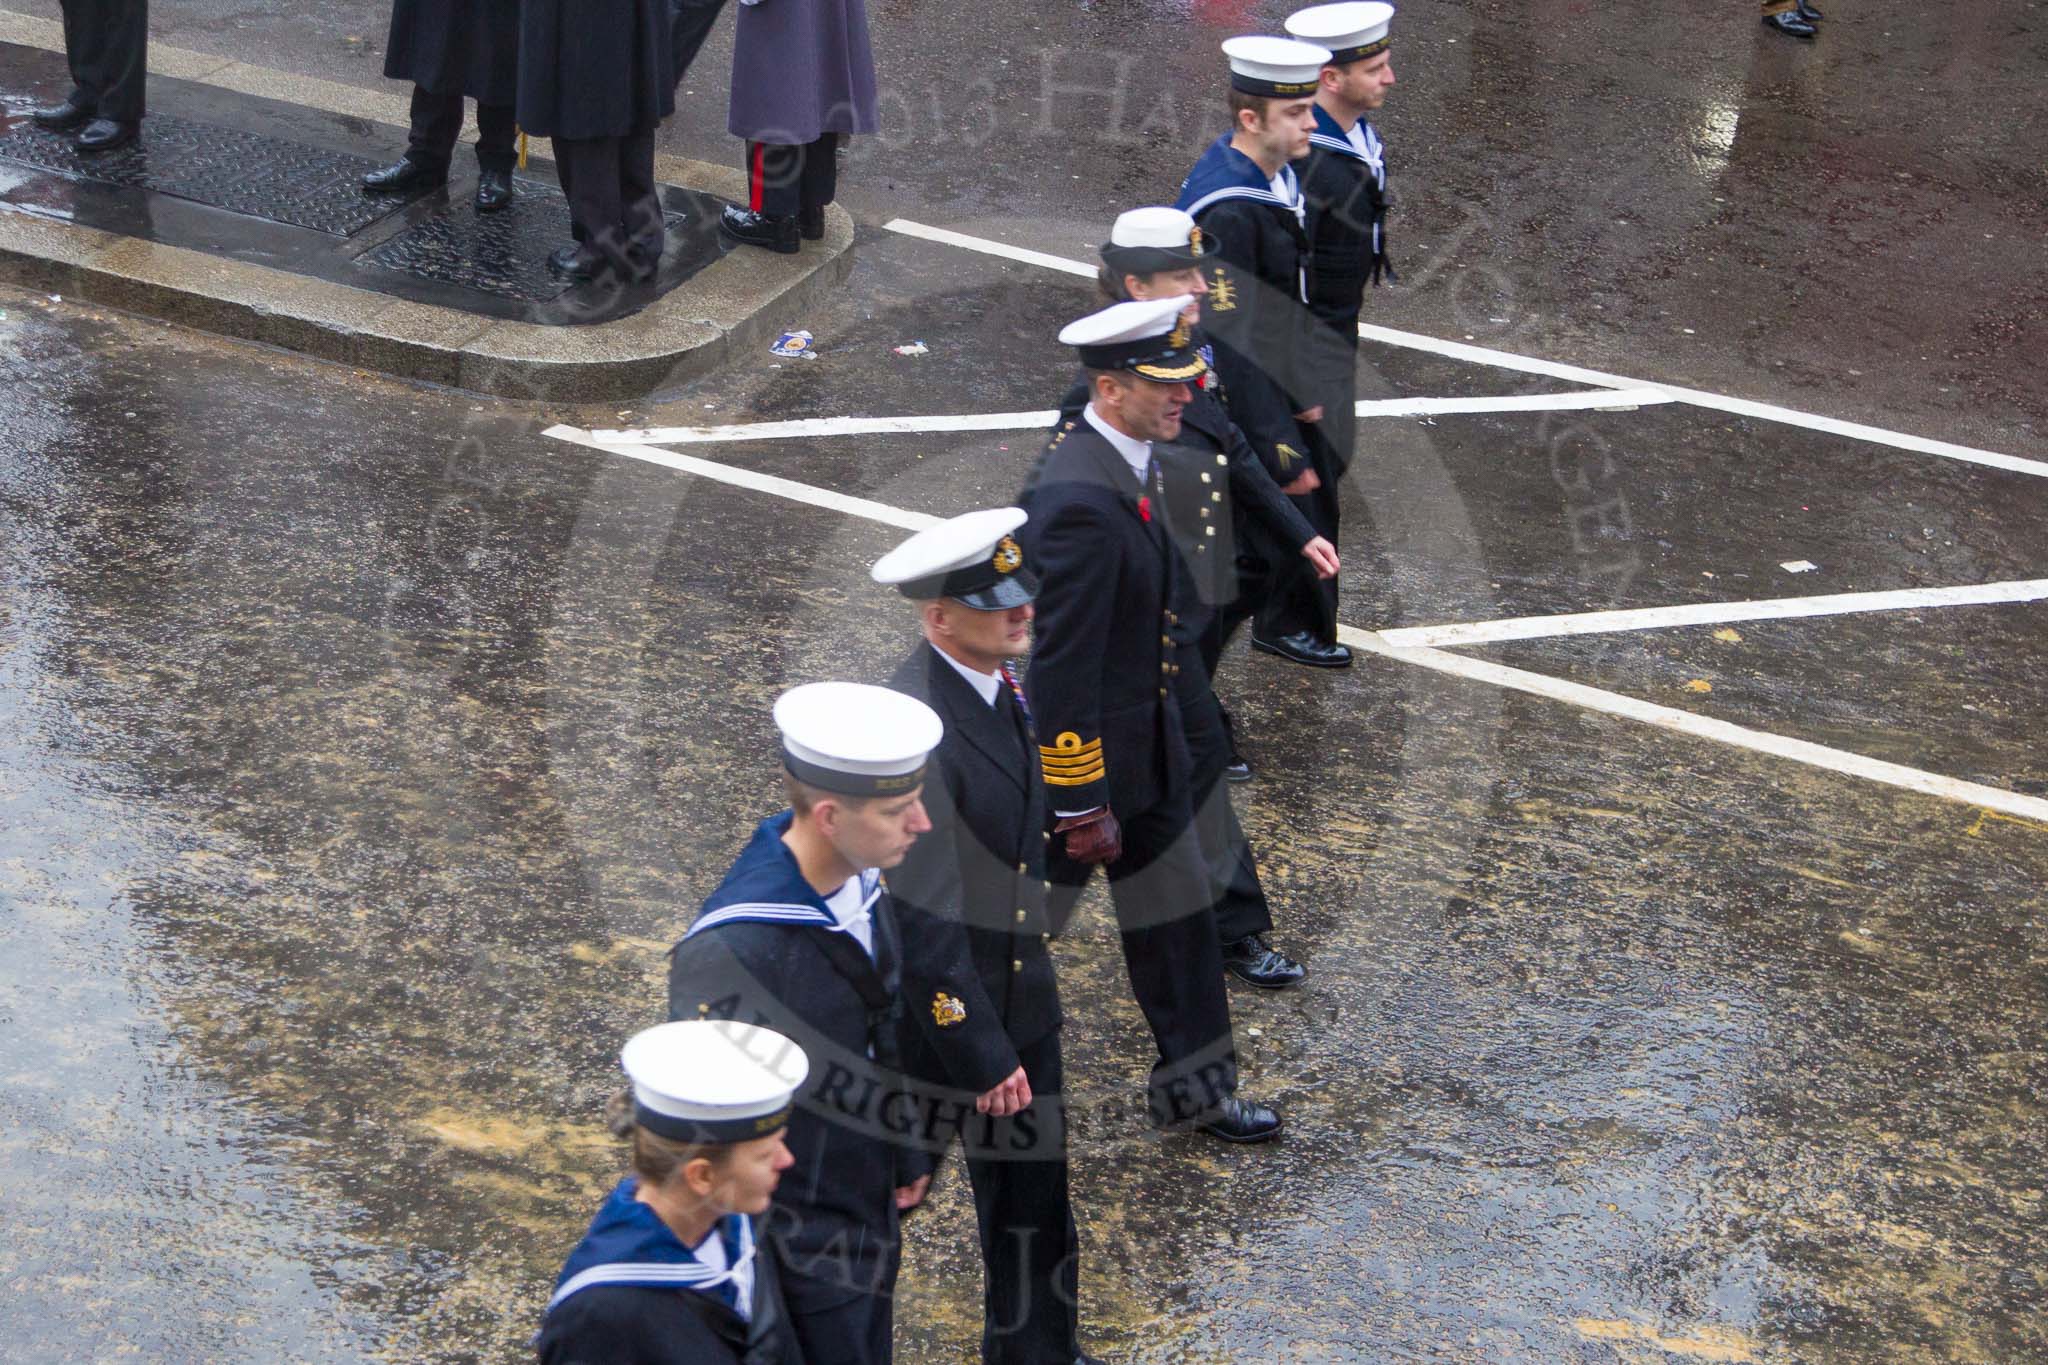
{"x": 1029, "y": 1249}
{"x": 497, "y": 137}
{"x": 1238, "y": 901}
{"x": 436, "y": 123}
{"x": 640, "y": 213}
{"x": 106, "y": 45}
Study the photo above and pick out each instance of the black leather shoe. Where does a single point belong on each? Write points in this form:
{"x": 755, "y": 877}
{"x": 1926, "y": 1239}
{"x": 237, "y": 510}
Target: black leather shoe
{"x": 1790, "y": 24}
{"x": 772, "y": 232}
{"x": 404, "y": 176}
{"x": 1305, "y": 648}
{"x": 104, "y": 135}
{"x": 493, "y": 190}
{"x": 1238, "y": 770}
{"x": 62, "y": 118}
{"x": 1253, "y": 959}
{"x": 1243, "y": 1121}
{"x": 575, "y": 264}
{"x": 1808, "y": 12}
{"x": 811, "y": 224}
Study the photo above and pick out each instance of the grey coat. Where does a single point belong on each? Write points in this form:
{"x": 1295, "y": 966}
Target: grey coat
{"x": 800, "y": 69}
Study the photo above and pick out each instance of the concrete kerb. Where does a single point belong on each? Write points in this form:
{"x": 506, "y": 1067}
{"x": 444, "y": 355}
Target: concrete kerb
{"x": 738, "y": 301}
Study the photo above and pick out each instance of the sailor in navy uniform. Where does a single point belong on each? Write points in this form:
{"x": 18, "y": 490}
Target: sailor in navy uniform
{"x": 1230, "y": 522}
{"x": 1344, "y": 180}
{"x": 970, "y": 896}
{"x": 800, "y": 937}
{"x": 675, "y": 1269}
{"x": 1104, "y": 688}
{"x": 1244, "y": 195}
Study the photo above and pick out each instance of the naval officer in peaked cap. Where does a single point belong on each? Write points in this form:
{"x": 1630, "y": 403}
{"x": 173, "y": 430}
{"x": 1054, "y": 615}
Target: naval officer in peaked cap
{"x": 1103, "y": 688}
{"x": 801, "y": 937}
{"x": 970, "y": 895}
{"x": 675, "y": 1269}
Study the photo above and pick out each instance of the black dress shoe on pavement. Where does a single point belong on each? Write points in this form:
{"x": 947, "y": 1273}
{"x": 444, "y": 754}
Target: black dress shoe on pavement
{"x": 1808, "y": 12}
{"x": 575, "y": 264}
{"x": 1304, "y": 648}
{"x": 493, "y": 190}
{"x": 810, "y": 223}
{"x": 1237, "y": 770}
{"x": 1242, "y": 1121}
{"x": 1790, "y": 24}
{"x": 104, "y": 135}
{"x": 772, "y": 232}
{"x": 1253, "y": 959}
{"x": 404, "y": 176}
{"x": 62, "y": 118}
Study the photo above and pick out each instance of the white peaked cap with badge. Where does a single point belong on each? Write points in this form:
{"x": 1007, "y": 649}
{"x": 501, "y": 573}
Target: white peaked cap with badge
{"x": 1160, "y": 227}
{"x": 1351, "y": 31}
{"x": 972, "y": 557}
{"x": 856, "y": 739}
{"x": 1275, "y": 67}
{"x": 1138, "y": 320}
{"x": 712, "y": 1080}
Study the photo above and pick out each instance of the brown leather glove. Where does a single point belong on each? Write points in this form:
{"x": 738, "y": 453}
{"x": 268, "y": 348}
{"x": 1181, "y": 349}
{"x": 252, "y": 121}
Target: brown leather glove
{"x": 1092, "y": 838}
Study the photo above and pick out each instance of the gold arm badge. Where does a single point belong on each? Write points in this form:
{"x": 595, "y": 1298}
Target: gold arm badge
{"x": 947, "y": 1011}
{"x": 1008, "y": 556}
{"x": 1222, "y": 293}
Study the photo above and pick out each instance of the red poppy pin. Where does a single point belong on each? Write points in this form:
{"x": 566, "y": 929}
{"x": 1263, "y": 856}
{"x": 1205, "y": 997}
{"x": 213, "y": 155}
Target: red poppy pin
{"x": 1145, "y": 509}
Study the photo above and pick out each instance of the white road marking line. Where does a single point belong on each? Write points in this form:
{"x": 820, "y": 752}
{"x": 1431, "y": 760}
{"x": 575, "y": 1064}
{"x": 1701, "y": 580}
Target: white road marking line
{"x": 1513, "y": 402}
{"x": 747, "y": 478}
{"x": 1702, "y": 727}
{"x": 1485, "y": 355}
{"x": 988, "y": 247}
{"x": 1015, "y": 421}
{"x": 1709, "y": 613}
{"x": 1442, "y": 661}
{"x": 828, "y": 426}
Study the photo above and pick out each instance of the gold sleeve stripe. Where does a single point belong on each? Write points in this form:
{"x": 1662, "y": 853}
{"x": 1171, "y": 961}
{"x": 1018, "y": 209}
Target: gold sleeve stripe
{"x": 1069, "y": 763}
{"x": 1075, "y": 779}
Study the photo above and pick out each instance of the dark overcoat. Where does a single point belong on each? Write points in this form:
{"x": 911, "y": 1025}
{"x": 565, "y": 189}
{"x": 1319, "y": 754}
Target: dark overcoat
{"x": 801, "y": 69}
{"x": 461, "y": 47}
{"x": 970, "y": 896}
{"x": 1102, "y": 667}
{"x": 594, "y": 68}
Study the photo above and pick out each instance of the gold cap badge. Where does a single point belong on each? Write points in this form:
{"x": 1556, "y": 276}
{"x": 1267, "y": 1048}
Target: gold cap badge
{"x": 1008, "y": 556}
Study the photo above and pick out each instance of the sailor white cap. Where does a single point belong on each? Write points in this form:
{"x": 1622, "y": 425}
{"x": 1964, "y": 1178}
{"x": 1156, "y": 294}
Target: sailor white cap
{"x": 971, "y": 558}
{"x": 854, "y": 739}
{"x": 1278, "y": 68}
{"x": 1352, "y": 31}
{"x": 1145, "y": 241}
{"x": 712, "y": 1080}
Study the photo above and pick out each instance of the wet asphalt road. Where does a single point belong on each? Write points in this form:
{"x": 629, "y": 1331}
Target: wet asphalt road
{"x": 366, "y": 748}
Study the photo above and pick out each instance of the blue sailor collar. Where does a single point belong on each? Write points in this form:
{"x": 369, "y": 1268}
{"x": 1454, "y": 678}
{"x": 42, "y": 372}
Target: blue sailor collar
{"x": 629, "y": 1244}
{"x": 1226, "y": 173}
{"x": 766, "y": 887}
{"x": 1330, "y": 136}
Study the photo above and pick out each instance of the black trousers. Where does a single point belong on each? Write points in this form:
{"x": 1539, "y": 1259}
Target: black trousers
{"x": 782, "y": 178}
{"x": 437, "y": 123}
{"x": 838, "y": 1327}
{"x": 1237, "y": 900}
{"x": 1299, "y": 600}
{"x": 1030, "y": 1253}
{"x": 1160, "y": 888}
{"x": 106, "y": 43}
{"x": 689, "y": 24}
{"x": 614, "y": 207}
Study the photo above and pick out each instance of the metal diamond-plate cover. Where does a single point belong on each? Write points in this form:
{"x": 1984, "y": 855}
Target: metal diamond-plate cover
{"x": 264, "y": 177}
{"x": 503, "y": 253}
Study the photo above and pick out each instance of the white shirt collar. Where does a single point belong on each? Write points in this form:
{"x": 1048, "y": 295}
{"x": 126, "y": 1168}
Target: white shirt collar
{"x": 1137, "y": 454}
{"x": 987, "y": 684}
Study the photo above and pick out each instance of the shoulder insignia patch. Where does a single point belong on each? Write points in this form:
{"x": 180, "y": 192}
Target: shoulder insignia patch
{"x": 947, "y": 1011}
